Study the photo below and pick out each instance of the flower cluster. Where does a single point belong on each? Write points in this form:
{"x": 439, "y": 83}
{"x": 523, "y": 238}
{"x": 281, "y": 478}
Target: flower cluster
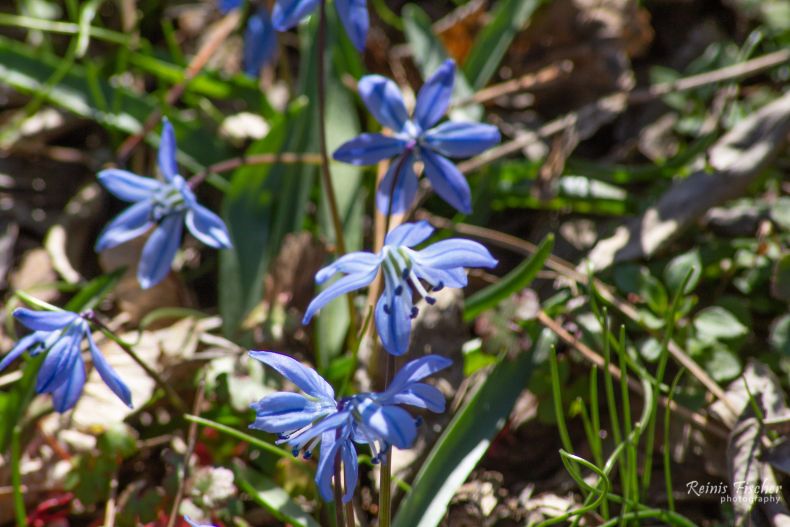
{"x": 372, "y": 419}
{"x": 60, "y": 335}
{"x": 415, "y": 139}
{"x": 405, "y": 269}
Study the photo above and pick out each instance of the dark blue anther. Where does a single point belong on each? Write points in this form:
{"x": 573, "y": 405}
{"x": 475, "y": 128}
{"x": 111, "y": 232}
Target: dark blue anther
{"x": 438, "y": 287}
{"x": 414, "y": 312}
{"x": 399, "y": 290}
{"x": 431, "y": 300}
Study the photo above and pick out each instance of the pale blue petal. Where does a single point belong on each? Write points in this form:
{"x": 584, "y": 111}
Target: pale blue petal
{"x": 65, "y": 396}
{"x": 159, "y": 251}
{"x": 454, "y": 277}
{"x": 129, "y": 224}
{"x": 409, "y": 234}
{"x": 420, "y": 395}
{"x": 284, "y": 412}
{"x": 350, "y": 467}
{"x": 338, "y": 422}
{"x": 59, "y": 362}
{"x": 416, "y": 370}
{"x": 351, "y": 263}
{"x": 207, "y": 227}
{"x": 455, "y": 252}
{"x": 369, "y": 149}
{"x": 354, "y": 16}
{"x": 434, "y": 96}
{"x": 305, "y": 378}
{"x": 22, "y": 346}
{"x": 44, "y": 320}
{"x": 167, "y": 151}
{"x": 288, "y": 13}
{"x": 326, "y": 469}
{"x": 462, "y": 139}
{"x": 394, "y": 328}
{"x": 128, "y": 186}
{"x": 384, "y": 100}
{"x": 260, "y": 42}
{"x": 392, "y": 424}
{"x": 345, "y": 285}
{"x": 108, "y": 374}
{"x": 401, "y": 175}
{"x": 447, "y": 181}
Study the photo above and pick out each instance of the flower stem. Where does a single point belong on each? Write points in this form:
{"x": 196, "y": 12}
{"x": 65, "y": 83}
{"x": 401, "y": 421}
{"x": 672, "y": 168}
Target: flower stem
{"x": 338, "y": 492}
{"x": 385, "y": 482}
{"x": 16, "y": 477}
{"x": 326, "y": 176}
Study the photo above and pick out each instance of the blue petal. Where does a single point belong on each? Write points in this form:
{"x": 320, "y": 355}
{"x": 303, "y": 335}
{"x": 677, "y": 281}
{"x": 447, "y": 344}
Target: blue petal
{"x": 44, "y": 320}
{"x": 224, "y": 7}
{"x": 260, "y": 42}
{"x": 108, "y": 374}
{"x": 60, "y": 361}
{"x": 416, "y": 370}
{"x": 22, "y": 346}
{"x": 167, "y": 151}
{"x": 384, "y": 100}
{"x": 462, "y": 139}
{"x": 409, "y": 234}
{"x": 420, "y": 395}
{"x": 305, "y": 378}
{"x": 454, "y": 277}
{"x": 354, "y": 16}
{"x": 345, "y": 285}
{"x": 447, "y": 181}
{"x": 350, "y": 467}
{"x": 351, "y": 263}
{"x": 129, "y": 224}
{"x": 394, "y": 328}
{"x": 65, "y": 396}
{"x": 207, "y": 227}
{"x": 192, "y": 522}
{"x": 368, "y": 149}
{"x": 127, "y": 186}
{"x": 326, "y": 469}
{"x": 401, "y": 175}
{"x": 434, "y": 96}
{"x": 455, "y": 252}
{"x": 283, "y": 412}
{"x": 339, "y": 423}
{"x": 159, "y": 251}
{"x": 392, "y": 424}
{"x": 288, "y": 13}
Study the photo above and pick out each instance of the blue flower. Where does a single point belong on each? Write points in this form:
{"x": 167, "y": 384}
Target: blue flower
{"x": 260, "y": 42}
{"x": 166, "y": 205}
{"x": 353, "y": 14}
{"x": 440, "y": 264}
{"x": 414, "y": 139}
{"x": 226, "y": 6}
{"x": 60, "y": 335}
{"x": 373, "y": 419}
{"x": 194, "y": 523}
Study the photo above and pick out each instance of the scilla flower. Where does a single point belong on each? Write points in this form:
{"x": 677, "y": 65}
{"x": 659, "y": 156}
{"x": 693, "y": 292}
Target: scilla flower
{"x": 372, "y": 419}
{"x": 59, "y": 334}
{"x": 164, "y": 205}
{"x": 414, "y": 139}
{"x": 405, "y": 269}
{"x": 352, "y": 13}
{"x": 260, "y": 41}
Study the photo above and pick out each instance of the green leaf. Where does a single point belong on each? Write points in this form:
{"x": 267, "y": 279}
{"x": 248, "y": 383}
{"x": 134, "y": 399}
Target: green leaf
{"x": 721, "y": 363}
{"x": 779, "y": 337}
{"x": 14, "y": 403}
{"x": 511, "y": 283}
{"x": 490, "y": 46}
{"x": 466, "y": 440}
{"x": 268, "y": 495}
{"x": 94, "y": 291}
{"x": 429, "y": 53}
{"x": 678, "y": 268}
{"x": 716, "y": 323}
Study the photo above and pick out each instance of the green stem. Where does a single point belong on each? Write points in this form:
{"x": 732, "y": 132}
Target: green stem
{"x": 16, "y": 478}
